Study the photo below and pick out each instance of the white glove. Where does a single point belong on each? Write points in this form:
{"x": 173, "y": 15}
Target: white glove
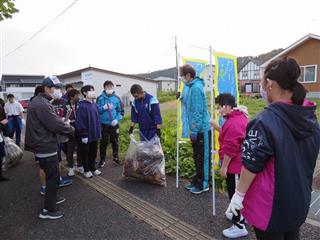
{"x": 106, "y": 106}
{"x": 84, "y": 140}
{"x": 236, "y": 203}
{"x": 114, "y": 122}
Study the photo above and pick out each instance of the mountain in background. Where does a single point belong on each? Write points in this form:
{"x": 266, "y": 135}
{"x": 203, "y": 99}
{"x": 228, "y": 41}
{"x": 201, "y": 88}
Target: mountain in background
{"x": 242, "y": 61}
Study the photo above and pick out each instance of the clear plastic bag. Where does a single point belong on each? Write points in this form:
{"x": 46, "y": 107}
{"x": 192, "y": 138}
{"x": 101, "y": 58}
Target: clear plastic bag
{"x": 145, "y": 160}
{"x": 13, "y": 153}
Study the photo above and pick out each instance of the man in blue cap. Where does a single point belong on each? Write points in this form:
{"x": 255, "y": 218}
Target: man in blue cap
{"x": 42, "y": 128}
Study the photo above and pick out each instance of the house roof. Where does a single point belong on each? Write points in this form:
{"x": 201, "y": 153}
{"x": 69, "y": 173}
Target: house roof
{"x": 78, "y": 72}
{"x": 293, "y": 46}
{"x": 16, "y": 79}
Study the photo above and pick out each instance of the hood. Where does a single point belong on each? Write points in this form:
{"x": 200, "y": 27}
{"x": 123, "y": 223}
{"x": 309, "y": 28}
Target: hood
{"x": 237, "y": 112}
{"x": 301, "y": 120}
{"x": 197, "y": 81}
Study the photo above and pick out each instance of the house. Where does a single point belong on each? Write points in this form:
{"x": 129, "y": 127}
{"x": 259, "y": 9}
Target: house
{"x": 249, "y": 77}
{"x": 96, "y": 77}
{"x": 21, "y": 86}
{"x": 307, "y": 52}
{"x": 166, "y": 84}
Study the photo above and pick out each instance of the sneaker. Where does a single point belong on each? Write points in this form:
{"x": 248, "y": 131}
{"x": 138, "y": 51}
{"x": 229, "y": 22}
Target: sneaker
{"x": 97, "y": 172}
{"x": 43, "y": 190}
{"x": 71, "y": 172}
{"x": 80, "y": 170}
{"x": 44, "y": 214}
{"x": 189, "y": 186}
{"x": 88, "y": 174}
{"x": 64, "y": 182}
{"x": 60, "y": 200}
{"x": 235, "y": 232}
{"x": 101, "y": 164}
{"x": 229, "y": 216}
{"x": 196, "y": 190}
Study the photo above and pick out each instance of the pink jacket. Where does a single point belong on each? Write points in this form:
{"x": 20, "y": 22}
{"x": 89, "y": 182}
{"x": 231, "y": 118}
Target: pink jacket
{"x": 231, "y": 137}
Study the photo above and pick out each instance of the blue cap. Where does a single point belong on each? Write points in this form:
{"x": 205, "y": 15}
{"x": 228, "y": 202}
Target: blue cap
{"x": 52, "y": 81}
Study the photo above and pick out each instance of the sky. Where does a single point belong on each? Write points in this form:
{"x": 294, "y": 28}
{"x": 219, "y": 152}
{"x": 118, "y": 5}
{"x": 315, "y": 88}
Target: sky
{"x": 138, "y": 36}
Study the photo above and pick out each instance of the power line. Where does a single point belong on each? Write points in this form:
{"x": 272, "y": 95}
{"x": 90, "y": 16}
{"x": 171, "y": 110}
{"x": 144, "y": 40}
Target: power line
{"x": 43, "y": 28}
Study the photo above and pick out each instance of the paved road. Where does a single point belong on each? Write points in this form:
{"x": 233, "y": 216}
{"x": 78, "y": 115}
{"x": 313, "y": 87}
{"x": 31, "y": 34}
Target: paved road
{"x": 88, "y": 215}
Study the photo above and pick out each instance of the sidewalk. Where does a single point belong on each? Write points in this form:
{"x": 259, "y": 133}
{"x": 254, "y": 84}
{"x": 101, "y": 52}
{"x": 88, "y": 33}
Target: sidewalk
{"x": 88, "y": 214}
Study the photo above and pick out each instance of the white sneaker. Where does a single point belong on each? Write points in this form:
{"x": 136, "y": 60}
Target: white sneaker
{"x": 71, "y": 172}
{"x": 229, "y": 216}
{"x": 235, "y": 232}
{"x": 97, "y": 172}
{"x": 80, "y": 169}
{"x": 88, "y": 174}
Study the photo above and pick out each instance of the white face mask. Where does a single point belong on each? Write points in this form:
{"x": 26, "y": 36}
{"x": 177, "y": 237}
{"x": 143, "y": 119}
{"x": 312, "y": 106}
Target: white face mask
{"x": 91, "y": 94}
{"x": 264, "y": 95}
{"x": 109, "y": 92}
{"x": 57, "y": 94}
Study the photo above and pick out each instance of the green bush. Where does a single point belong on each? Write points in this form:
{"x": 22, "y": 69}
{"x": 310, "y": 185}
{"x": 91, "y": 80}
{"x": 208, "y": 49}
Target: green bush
{"x": 166, "y": 96}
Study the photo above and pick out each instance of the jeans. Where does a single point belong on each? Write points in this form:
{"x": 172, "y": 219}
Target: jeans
{"x": 50, "y": 165}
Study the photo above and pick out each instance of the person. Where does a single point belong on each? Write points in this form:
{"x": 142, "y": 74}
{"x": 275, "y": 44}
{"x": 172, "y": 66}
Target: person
{"x": 279, "y": 156}
{"x": 42, "y": 128}
{"x": 199, "y": 127}
{"x": 145, "y": 111}
{"x": 88, "y": 130}
{"x": 111, "y": 113}
{"x": 68, "y": 88}
{"x": 14, "y": 112}
{"x": 3, "y": 125}
{"x": 72, "y": 106}
{"x": 231, "y": 136}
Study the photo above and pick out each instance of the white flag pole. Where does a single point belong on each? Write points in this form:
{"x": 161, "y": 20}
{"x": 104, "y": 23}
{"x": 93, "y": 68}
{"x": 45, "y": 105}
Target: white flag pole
{"x": 212, "y": 132}
{"x": 178, "y": 115}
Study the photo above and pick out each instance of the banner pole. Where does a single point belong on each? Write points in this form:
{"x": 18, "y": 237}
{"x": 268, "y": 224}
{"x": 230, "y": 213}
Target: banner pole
{"x": 178, "y": 115}
{"x": 212, "y": 132}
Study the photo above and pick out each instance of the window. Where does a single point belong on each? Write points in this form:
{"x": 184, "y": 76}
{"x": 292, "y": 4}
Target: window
{"x": 308, "y": 74}
{"x": 244, "y": 74}
{"x": 118, "y": 85}
{"x": 248, "y": 87}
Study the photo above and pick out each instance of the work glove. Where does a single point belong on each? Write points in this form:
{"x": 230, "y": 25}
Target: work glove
{"x": 193, "y": 137}
{"x": 130, "y": 130}
{"x": 158, "y": 132}
{"x": 114, "y": 122}
{"x": 84, "y": 140}
{"x": 177, "y": 95}
{"x": 108, "y": 106}
{"x": 236, "y": 203}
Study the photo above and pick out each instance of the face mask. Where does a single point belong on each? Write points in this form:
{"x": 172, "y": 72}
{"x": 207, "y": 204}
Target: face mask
{"x": 264, "y": 95}
{"x": 57, "y": 94}
{"x": 109, "y": 92}
{"x": 91, "y": 94}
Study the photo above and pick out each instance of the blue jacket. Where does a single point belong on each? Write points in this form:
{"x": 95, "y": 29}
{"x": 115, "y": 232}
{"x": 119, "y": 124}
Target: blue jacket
{"x": 146, "y": 112}
{"x": 281, "y": 147}
{"x": 197, "y": 108}
{"x": 87, "y": 121}
{"x": 116, "y": 111}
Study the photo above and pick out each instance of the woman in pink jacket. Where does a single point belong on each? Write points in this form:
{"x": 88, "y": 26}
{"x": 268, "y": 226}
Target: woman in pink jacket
{"x": 231, "y": 136}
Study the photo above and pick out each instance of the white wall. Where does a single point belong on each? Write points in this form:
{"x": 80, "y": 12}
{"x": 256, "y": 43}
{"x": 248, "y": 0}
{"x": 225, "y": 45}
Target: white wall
{"x": 167, "y": 86}
{"x": 250, "y": 72}
{"x": 20, "y": 92}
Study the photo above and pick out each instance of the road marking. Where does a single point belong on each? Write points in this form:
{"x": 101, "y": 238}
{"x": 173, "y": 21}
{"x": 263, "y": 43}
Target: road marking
{"x": 159, "y": 219}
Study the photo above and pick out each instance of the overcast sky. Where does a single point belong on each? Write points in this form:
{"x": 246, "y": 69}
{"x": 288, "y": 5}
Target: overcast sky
{"x": 134, "y": 36}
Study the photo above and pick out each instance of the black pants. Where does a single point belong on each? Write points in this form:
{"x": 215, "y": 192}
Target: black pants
{"x": 71, "y": 146}
{"x": 202, "y": 160}
{"x": 50, "y": 165}
{"x": 88, "y": 155}
{"x": 231, "y": 183}
{"x": 292, "y": 235}
{"x": 109, "y": 134}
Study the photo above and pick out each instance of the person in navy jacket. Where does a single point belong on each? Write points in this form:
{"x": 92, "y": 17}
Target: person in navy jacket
{"x": 111, "y": 113}
{"x": 145, "y": 111}
{"x": 88, "y": 130}
{"x": 279, "y": 154}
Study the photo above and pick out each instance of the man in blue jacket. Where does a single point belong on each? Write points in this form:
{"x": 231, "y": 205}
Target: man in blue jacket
{"x": 199, "y": 127}
{"x": 111, "y": 113}
{"x": 145, "y": 111}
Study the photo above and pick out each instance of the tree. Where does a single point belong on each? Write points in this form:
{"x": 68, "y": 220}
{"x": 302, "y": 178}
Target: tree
{"x": 7, "y": 9}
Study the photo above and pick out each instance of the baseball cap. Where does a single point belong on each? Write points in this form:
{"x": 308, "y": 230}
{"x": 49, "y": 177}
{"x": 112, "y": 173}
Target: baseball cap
{"x": 52, "y": 81}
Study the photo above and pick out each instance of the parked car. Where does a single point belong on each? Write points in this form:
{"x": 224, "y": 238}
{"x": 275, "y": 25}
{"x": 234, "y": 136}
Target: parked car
{"x": 24, "y": 103}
